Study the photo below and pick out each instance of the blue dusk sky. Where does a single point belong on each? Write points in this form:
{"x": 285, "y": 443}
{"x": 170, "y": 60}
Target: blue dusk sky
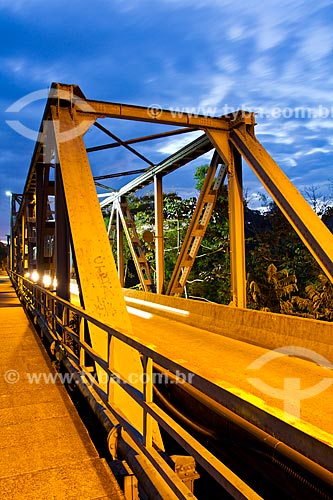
{"x": 204, "y": 56}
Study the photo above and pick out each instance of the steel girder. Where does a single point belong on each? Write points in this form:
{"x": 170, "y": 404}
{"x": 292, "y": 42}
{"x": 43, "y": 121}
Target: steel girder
{"x": 197, "y": 227}
{"x": 312, "y": 231}
{"x": 233, "y": 137}
{"x": 79, "y": 223}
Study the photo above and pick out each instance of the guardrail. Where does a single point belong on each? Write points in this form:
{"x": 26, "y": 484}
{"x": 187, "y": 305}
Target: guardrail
{"x": 65, "y": 325}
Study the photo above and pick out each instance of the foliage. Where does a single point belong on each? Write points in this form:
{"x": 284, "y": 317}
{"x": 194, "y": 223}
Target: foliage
{"x": 319, "y": 301}
{"x": 270, "y": 239}
{"x": 282, "y": 275}
{"x": 278, "y": 294}
{"x": 275, "y": 291}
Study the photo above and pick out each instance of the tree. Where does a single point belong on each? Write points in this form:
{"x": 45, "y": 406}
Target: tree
{"x": 282, "y": 275}
{"x": 210, "y": 276}
{"x": 270, "y": 239}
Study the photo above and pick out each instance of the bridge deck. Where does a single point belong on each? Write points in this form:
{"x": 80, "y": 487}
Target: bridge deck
{"x": 225, "y": 361}
{"x": 46, "y": 451}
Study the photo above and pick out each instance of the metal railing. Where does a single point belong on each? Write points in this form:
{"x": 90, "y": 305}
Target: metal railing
{"x": 66, "y": 326}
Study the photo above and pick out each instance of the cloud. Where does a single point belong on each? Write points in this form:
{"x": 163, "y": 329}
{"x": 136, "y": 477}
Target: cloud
{"x": 227, "y": 64}
{"x": 17, "y": 5}
{"x": 220, "y": 86}
{"x": 314, "y": 151}
{"x": 318, "y": 43}
{"x": 237, "y": 32}
{"x": 289, "y": 162}
{"x": 205, "y": 56}
{"x": 172, "y": 145}
{"x": 319, "y": 124}
{"x": 35, "y": 72}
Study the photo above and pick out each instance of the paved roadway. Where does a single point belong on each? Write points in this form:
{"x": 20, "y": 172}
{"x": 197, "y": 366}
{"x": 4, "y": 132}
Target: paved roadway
{"x": 225, "y": 362}
{"x": 45, "y": 450}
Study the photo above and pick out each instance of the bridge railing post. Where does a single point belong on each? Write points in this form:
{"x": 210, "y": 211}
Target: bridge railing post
{"x": 148, "y": 399}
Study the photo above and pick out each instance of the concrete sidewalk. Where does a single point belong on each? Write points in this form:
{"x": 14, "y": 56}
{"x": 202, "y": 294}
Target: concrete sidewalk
{"x": 45, "y": 450}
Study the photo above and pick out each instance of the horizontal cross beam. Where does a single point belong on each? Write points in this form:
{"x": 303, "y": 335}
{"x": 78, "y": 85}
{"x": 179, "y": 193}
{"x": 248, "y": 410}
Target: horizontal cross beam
{"x": 190, "y": 152}
{"x": 101, "y": 109}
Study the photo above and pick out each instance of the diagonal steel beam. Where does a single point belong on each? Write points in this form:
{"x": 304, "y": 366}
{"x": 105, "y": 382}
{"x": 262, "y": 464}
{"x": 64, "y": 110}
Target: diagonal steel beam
{"x": 141, "y": 139}
{"x": 99, "y": 283}
{"x": 197, "y": 227}
{"x": 123, "y": 143}
{"x": 312, "y": 231}
{"x": 188, "y": 153}
{"x": 119, "y": 174}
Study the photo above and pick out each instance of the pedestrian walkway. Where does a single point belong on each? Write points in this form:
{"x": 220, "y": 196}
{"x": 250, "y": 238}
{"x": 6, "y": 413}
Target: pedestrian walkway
{"x": 45, "y": 450}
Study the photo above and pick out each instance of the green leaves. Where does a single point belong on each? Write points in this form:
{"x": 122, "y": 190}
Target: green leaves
{"x": 282, "y": 276}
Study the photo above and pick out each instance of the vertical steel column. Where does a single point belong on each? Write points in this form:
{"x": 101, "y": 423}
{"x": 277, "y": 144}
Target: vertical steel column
{"x": 148, "y": 398}
{"x": 236, "y": 229}
{"x": 40, "y": 218}
{"x": 99, "y": 283}
{"x": 312, "y": 231}
{"x": 236, "y": 214}
{"x": 61, "y": 240}
{"x": 159, "y": 233}
{"x": 11, "y": 237}
{"x": 24, "y": 267}
{"x": 120, "y": 249}
{"x": 31, "y": 235}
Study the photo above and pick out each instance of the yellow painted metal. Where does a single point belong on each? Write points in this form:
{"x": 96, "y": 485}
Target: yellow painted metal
{"x": 120, "y": 250}
{"x": 236, "y": 217}
{"x": 92, "y": 250}
{"x": 23, "y": 244}
{"x": 312, "y": 231}
{"x": 148, "y": 398}
{"x": 197, "y": 228}
{"x": 101, "y": 109}
{"x": 159, "y": 233}
{"x": 139, "y": 258}
{"x": 236, "y": 231}
{"x": 100, "y": 287}
{"x": 233, "y": 484}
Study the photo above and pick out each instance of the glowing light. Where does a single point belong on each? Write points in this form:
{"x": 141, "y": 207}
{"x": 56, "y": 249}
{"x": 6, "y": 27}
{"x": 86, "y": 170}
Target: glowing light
{"x": 27, "y": 275}
{"x": 154, "y": 305}
{"x": 8, "y": 193}
{"x": 47, "y": 280}
{"x": 35, "y": 276}
{"x": 55, "y": 283}
{"x": 138, "y": 312}
{"x": 74, "y": 289}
